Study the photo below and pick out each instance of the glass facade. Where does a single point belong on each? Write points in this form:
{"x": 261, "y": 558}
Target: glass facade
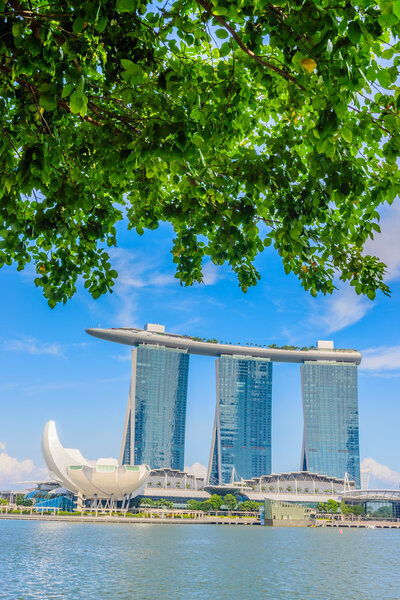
{"x": 330, "y": 406}
{"x": 242, "y": 430}
{"x": 158, "y": 402}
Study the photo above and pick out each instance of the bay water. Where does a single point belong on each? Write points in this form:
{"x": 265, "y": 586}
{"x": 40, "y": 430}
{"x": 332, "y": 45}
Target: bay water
{"x": 94, "y": 561}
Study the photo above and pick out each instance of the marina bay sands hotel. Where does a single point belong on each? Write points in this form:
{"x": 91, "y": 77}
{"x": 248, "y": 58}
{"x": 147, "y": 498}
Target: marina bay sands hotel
{"x": 154, "y": 430}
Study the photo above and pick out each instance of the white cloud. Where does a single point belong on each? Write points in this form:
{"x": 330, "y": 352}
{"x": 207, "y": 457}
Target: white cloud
{"x": 382, "y": 358}
{"x": 134, "y": 273}
{"x": 197, "y": 469}
{"x": 2, "y": 445}
{"x": 386, "y": 245}
{"x": 12, "y": 471}
{"x": 31, "y": 389}
{"x": 32, "y": 346}
{"x": 342, "y": 309}
{"x": 211, "y": 273}
{"x": 123, "y": 357}
{"x": 381, "y": 473}
{"x": 126, "y": 315}
{"x": 137, "y": 273}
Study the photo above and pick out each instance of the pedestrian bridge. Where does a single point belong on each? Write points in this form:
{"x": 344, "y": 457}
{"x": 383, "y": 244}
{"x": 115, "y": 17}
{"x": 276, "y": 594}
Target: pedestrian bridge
{"x": 362, "y": 496}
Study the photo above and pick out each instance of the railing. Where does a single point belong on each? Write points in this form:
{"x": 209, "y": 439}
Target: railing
{"x": 140, "y": 512}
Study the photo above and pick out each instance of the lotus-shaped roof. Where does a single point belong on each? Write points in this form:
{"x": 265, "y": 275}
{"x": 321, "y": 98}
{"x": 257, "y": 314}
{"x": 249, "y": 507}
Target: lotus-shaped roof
{"x": 103, "y": 478}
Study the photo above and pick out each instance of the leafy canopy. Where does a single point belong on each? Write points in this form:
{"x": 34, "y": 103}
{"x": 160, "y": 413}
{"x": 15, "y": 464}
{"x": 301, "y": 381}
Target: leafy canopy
{"x": 240, "y": 122}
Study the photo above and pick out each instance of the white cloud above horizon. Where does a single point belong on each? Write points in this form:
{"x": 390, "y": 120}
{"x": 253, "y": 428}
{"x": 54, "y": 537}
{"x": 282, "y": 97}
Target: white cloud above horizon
{"x": 342, "y": 309}
{"x": 381, "y": 474}
{"x": 381, "y": 359}
{"x": 13, "y": 471}
{"x": 136, "y": 273}
{"x": 30, "y": 345}
{"x": 345, "y": 307}
{"x": 386, "y": 245}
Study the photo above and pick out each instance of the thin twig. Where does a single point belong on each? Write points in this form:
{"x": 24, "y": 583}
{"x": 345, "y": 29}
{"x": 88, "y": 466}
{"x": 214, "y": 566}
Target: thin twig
{"x": 285, "y": 74}
{"x": 10, "y": 140}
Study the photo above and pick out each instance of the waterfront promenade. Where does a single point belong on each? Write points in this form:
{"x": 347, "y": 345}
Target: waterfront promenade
{"x": 176, "y": 517}
{"x": 149, "y": 519}
{"x": 146, "y": 515}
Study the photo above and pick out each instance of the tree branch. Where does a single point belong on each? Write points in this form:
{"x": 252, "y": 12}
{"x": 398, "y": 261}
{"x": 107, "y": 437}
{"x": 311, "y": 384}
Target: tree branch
{"x": 33, "y": 89}
{"x": 285, "y": 74}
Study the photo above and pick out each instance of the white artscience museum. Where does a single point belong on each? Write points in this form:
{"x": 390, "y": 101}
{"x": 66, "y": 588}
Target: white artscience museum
{"x": 103, "y": 479}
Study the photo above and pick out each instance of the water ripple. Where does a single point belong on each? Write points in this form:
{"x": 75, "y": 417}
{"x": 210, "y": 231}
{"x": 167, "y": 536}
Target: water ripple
{"x": 58, "y": 561}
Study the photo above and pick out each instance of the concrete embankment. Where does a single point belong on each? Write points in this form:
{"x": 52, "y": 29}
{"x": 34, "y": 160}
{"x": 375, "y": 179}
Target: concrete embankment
{"x": 143, "y": 520}
{"x": 360, "y": 524}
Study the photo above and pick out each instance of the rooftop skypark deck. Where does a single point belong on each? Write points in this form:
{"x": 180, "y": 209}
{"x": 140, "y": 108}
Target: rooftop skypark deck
{"x": 156, "y": 335}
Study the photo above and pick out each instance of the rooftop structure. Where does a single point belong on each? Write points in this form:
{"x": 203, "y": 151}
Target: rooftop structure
{"x": 299, "y": 481}
{"x": 155, "y": 335}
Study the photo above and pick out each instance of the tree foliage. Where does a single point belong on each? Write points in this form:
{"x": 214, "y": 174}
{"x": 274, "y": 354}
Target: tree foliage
{"x": 230, "y": 501}
{"x": 216, "y": 501}
{"x": 243, "y": 123}
{"x": 354, "y": 509}
{"x": 332, "y": 506}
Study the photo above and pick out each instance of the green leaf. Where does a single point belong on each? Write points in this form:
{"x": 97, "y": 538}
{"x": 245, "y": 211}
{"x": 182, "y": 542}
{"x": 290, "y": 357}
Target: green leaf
{"x": 67, "y": 90}
{"x": 47, "y": 102}
{"x": 384, "y": 78}
{"x": 387, "y": 54}
{"x": 219, "y": 11}
{"x": 222, "y": 34}
{"x": 16, "y": 29}
{"x": 225, "y": 49}
{"x": 396, "y": 8}
{"x": 78, "y": 25}
{"x": 387, "y": 20}
{"x": 76, "y": 103}
{"x": 134, "y": 70}
{"x": 102, "y": 24}
{"x": 126, "y": 5}
{"x": 347, "y": 134}
{"x": 354, "y": 32}
{"x": 80, "y": 86}
{"x": 198, "y": 140}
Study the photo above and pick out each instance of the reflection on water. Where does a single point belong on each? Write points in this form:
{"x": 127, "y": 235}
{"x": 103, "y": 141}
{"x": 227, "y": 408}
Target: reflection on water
{"x": 41, "y": 560}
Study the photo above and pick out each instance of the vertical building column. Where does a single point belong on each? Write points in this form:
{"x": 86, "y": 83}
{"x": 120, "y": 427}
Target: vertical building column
{"x": 154, "y": 431}
{"x": 241, "y": 439}
{"x": 126, "y": 456}
{"x": 331, "y": 430}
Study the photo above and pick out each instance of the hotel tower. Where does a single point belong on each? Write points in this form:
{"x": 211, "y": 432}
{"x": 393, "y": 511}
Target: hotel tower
{"x": 330, "y": 408}
{"x": 241, "y": 441}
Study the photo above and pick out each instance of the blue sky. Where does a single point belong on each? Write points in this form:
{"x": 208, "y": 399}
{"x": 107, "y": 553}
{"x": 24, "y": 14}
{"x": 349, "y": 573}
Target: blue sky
{"x": 51, "y": 369}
